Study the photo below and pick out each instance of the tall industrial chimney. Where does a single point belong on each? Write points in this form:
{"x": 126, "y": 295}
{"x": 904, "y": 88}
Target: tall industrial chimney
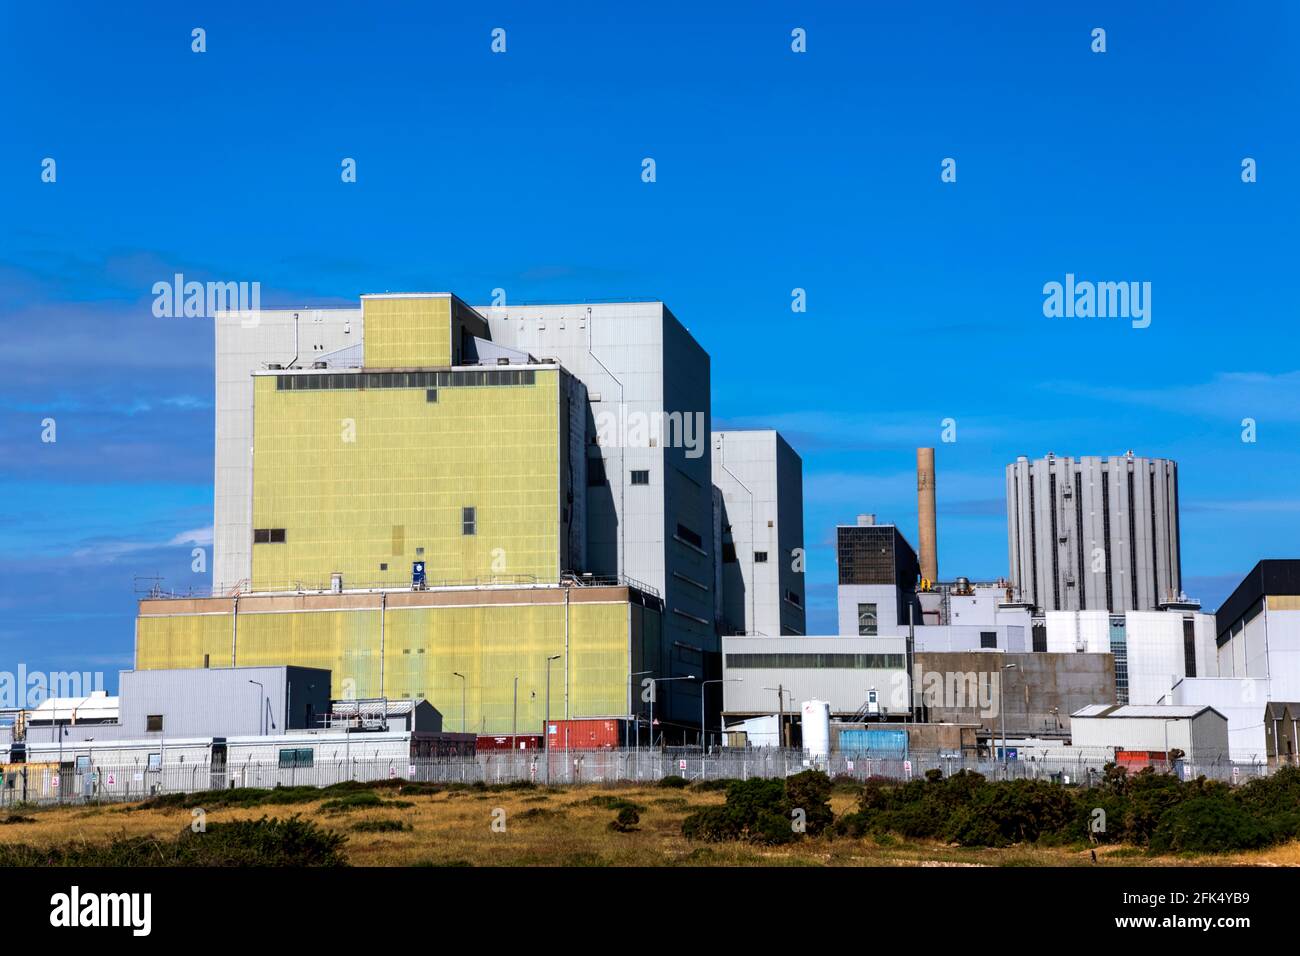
{"x": 925, "y": 512}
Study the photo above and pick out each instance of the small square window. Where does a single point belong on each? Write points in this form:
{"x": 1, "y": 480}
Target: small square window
{"x": 261, "y": 536}
{"x": 468, "y": 521}
{"x": 430, "y": 394}
{"x": 988, "y": 639}
{"x": 383, "y": 567}
{"x": 277, "y": 536}
{"x": 760, "y": 557}
{"x": 641, "y": 477}
{"x": 153, "y": 723}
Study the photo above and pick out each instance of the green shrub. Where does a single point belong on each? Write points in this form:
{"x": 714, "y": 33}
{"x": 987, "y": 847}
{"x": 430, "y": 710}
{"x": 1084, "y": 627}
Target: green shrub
{"x": 1209, "y": 824}
{"x": 810, "y": 791}
{"x": 265, "y": 842}
{"x": 381, "y": 826}
{"x": 626, "y": 820}
{"x": 673, "y": 781}
{"x": 760, "y": 811}
{"x": 607, "y": 802}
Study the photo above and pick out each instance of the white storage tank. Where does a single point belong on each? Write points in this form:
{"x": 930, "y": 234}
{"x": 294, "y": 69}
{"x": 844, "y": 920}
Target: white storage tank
{"x": 816, "y": 720}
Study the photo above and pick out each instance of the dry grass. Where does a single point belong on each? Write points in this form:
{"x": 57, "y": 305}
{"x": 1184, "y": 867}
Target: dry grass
{"x": 561, "y": 827}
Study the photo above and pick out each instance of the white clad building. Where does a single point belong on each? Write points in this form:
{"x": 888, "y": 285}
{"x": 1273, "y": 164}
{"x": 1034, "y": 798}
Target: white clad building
{"x": 760, "y": 480}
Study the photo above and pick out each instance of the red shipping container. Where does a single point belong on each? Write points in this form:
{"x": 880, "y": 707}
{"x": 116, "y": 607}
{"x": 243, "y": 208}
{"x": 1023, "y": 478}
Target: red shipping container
{"x": 605, "y": 733}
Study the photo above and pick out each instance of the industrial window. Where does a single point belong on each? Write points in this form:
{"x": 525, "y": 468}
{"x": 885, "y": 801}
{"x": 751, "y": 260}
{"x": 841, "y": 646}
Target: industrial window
{"x": 1039, "y": 638}
{"x": 468, "y": 521}
{"x": 760, "y": 557}
{"x": 988, "y": 639}
{"x": 268, "y": 536}
{"x": 83, "y": 763}
{"x": 430, "y": 394}
{"x": 297, "y": 757}
{"x": 595, "y": 472}
{"x": 153, "y": 723}
{"x": 383, "y": 567}
{"x": 641, "y": 477}
{"x": 794, "y": 598}
{"x": 154, "y": 762}
{"x": 818, "y": 661}
{"x": 728, "y": 553}
{"x": 427, "y": 380}
{"x": 1189, "y": 647}
{"x": 867, "y": 621}
{"x": 689, "y": 536}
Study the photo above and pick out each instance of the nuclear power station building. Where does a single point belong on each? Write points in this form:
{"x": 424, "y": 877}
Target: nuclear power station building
{"x": 493, "y": 509}
{"x": 1094, "y": 533}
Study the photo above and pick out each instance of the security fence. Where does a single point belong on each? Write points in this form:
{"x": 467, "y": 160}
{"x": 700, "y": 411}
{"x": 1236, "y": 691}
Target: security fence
{"x": 47, "y": 783}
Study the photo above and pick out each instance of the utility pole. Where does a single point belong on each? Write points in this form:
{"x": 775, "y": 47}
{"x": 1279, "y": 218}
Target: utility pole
{"x": 514, "y": 719}
{"x": 1002, "y": 714}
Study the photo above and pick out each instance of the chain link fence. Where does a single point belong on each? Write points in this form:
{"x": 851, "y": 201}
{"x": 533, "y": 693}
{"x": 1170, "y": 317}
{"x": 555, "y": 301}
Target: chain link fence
{"x": 45, "y": 784}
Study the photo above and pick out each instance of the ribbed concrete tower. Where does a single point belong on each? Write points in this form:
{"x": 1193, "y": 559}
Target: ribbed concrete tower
{"x": 1094, "y": 533}
{"x": 925, "y": 511}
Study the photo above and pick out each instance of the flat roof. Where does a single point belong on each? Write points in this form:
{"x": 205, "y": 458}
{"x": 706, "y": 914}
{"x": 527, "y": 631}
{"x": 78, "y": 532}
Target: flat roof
{"x": 1138, "y": 711}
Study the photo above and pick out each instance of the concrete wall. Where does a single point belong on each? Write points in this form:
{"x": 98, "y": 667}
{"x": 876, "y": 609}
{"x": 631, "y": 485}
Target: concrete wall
{"x": 1028, "y": 693}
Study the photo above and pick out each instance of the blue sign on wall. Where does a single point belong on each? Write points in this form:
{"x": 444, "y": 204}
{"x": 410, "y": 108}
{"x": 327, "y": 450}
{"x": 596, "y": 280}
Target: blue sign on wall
{"x": 417, "y": 574}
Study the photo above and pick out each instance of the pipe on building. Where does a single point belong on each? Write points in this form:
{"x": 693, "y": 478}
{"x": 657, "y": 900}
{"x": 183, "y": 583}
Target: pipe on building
{"x": 925, "y": 513}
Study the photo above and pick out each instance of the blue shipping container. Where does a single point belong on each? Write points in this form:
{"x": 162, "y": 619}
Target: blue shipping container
{"x": 882, "y": 743}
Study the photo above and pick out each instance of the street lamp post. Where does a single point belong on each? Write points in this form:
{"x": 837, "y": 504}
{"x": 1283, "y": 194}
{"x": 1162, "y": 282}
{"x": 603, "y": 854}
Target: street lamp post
{"x": 463, "y": 683}
{"x": 514, "y": 720}
{"x": 635, "y": 720}
{"x": 1002, "y": 716}
{"x": 546, "y": 724}
{"x": 654, "y": 694}
{"x": 703, "y": 685}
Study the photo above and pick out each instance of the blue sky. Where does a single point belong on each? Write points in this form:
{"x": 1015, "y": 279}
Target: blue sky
{"x": 775, "y": 170}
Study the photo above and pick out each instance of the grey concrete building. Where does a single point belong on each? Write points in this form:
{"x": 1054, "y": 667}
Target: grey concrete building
{"x": 1033, "y": 693}
{"x": 1094, "y": 533}
{"x": 760, "y": 481}
{"x": 208, "y": 702}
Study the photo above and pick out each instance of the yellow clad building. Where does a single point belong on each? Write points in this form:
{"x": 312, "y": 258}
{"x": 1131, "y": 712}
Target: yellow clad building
{"x": 419, "y": 530}
{"x": 411, "y": 644}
